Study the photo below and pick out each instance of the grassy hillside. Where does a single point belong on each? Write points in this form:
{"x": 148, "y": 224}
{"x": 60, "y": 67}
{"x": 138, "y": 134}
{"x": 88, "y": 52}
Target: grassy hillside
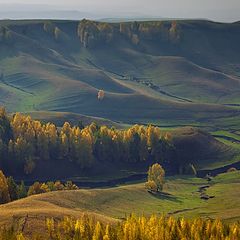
{"x": 148, "y": 74}
{"x": 59, "y": 118}
{"x": 181, "y": 197}
{"x": 202, "y": 149}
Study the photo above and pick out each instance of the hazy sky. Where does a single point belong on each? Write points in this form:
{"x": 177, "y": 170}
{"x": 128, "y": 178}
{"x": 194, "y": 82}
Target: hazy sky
{"x": 221, "y": 10}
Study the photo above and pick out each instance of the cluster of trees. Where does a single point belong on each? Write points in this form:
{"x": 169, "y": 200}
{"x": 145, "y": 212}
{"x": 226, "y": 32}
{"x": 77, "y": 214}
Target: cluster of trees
{"x": 155, "y": 180}
{"x": 50, "y": 28}
{"x": 137, "y": 31}
{"x": 93, "y": 33}
{"x": 38, "y": 188}
{"x": 10, "y": 191}
{"x": 139, "y": 228}
{"x": 24, "y": 142}
{"x": 5, "y": 34}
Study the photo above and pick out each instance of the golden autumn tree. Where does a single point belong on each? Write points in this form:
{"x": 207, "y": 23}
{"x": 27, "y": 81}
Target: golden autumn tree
{"x": 174, "y": 32}
{"x": 53, "y": 141}
{"x": 156, "y": 176}
{"x": 98, "y": 234}
{"x": 144, "y": 228}
{"x": 101, "y": 95}
{"x": 104, "y": 143}
{"x": 85, "y": 151}
{"x": 38, "y": 188}
{"x": 42, "y": 143}
{"x": 4, "y": 193}
{"x": 66, "y": 140}
{"x": 107, "y": 235}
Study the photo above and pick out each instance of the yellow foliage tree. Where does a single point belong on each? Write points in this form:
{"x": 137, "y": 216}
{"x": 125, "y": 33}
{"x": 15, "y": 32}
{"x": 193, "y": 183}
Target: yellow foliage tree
{"x": 142, "y": 228}
{"x": 4, "y": 193}
{"x": 101, "y": 95}
{"x": 98, "y": 235}
{"x": 156, "y": 176}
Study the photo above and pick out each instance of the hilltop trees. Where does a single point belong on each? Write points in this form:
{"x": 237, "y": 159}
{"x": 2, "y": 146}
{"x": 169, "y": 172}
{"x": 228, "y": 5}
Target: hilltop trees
{"x": 5, "y": 34}
{"x": 48, "y": 27}
{"x": 174, "y": 32}
{"x": 92, "y": 34}
{"x": 156, "y": 176}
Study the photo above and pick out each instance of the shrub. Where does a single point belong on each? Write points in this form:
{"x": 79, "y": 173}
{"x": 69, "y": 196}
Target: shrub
{"x": 232, "y": 169}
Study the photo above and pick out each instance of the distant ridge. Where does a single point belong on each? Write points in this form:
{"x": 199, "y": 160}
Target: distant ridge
{"x": 147, "y": 19}
{"x": 49, "y": 14}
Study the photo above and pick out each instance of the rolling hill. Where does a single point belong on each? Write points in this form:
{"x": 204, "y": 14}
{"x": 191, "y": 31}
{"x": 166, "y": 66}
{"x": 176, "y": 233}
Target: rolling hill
{"x": 59, "y": 118}
{"x": 181, "y": 197}
{"x": 166, "y": 73}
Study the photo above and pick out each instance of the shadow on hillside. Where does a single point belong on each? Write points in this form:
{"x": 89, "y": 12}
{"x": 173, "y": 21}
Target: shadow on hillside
{"x": 165, "y": 196}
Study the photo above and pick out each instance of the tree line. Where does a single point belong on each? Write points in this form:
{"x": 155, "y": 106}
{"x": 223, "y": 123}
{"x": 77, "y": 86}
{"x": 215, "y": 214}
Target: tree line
{"x": 93, "y": 33}
{"x": 134, "y": 228}
{"x": 11, "y": 191}
{"x": 24, "y": 142}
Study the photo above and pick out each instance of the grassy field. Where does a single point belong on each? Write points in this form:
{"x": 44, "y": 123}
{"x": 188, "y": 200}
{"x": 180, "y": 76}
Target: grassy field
{"x": 149, "y": 83}
{"x": 59, "y": 118}
{"x": 231, "y": 135}
{"x": 229, "y": 138}
{"x": 181, "y": 197}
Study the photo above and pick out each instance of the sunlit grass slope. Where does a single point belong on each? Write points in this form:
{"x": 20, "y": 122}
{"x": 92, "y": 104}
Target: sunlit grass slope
{"x": 181, "y": 197}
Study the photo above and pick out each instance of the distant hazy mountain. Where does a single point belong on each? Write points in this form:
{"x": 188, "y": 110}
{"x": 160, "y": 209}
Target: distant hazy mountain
{"x": 42, "y": 11}
{"x": 33, "y": 11}
{"x": 140, "y": 19}
{"x": 127, "y": 12}
{"x": 56, "y": 14}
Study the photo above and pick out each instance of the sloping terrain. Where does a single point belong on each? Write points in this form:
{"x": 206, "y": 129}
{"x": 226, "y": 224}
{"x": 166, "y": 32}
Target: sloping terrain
{"x": 159, "y": 72}
{"x": 181, "y": 197}
{"x": 201, "y": 148}
{"x": 59, "y": 118}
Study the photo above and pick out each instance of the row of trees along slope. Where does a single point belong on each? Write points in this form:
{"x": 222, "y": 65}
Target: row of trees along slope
{"x": 131, "y": 228}
{"x": 25, "y": 142}
{"x": 93, "y": 33}
{"x": 11, "y": 191}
